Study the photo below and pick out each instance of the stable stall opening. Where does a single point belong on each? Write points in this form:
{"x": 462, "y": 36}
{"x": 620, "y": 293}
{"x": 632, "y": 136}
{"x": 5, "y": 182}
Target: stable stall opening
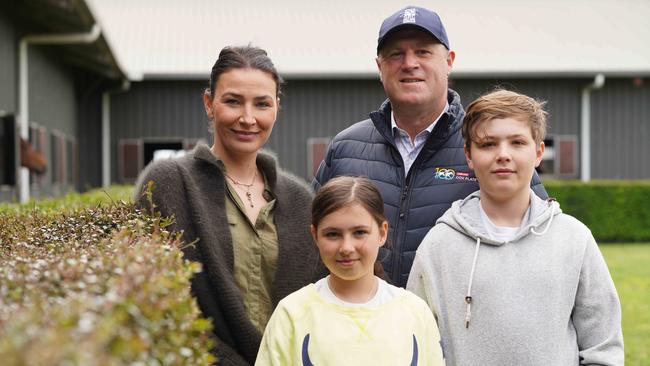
{"x": 160, "y": 150}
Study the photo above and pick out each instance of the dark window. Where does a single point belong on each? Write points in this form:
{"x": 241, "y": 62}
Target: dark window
{"x": 150, "y": 149}
{"x": 8, "y": 151}
{"x": 135, "y": 154}
{"x": 560, "y": 158}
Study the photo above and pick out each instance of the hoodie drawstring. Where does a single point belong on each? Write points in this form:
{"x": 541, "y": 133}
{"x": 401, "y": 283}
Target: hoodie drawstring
{"x": 468, "y": 298}
{"x": 548, "y": 224}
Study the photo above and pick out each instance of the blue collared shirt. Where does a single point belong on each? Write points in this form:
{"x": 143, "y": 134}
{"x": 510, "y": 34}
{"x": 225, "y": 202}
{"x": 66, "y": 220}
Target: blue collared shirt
{"x": 409, "y": 149}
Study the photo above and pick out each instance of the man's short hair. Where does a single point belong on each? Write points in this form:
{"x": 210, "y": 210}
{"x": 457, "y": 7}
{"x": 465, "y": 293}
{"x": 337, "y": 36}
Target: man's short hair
{"x": 505, "y": 104}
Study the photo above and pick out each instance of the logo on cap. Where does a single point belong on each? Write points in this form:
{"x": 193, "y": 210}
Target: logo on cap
{"x": 409, "y": 15}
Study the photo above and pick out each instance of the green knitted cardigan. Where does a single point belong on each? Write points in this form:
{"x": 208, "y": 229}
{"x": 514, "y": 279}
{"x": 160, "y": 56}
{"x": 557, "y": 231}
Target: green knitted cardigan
{"x": 192, "y": 188}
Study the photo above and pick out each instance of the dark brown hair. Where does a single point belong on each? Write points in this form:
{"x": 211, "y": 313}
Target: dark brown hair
{"x": 344, "y": 191}
{"x": 505, "y": 104}
{"x": 246, "y": 57}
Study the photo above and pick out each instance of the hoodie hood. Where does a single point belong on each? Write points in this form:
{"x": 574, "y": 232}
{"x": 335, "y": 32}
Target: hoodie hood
{"x": 464, "y": 216}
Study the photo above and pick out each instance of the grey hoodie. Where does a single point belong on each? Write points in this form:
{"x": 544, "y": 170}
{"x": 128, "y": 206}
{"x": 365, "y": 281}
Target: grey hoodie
{"x": 544, "y": 298}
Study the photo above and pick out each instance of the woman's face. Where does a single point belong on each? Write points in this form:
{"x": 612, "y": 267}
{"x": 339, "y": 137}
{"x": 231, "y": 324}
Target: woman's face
{"x": 243, "y": 110}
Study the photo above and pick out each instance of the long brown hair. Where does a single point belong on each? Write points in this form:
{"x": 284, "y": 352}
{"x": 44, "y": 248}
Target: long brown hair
{"x": 343, "y": 191}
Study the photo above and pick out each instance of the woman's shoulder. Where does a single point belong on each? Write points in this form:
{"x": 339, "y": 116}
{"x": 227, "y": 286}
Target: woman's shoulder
{"x": 163, "y": 176}
{"x": 162, "y": 170}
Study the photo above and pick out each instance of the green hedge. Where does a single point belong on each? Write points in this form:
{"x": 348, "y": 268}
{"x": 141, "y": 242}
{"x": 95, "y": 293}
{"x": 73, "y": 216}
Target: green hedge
{"x": 103, "y": 285}
{"x": 73, "y": 200}
{"x": 615, "y": 211}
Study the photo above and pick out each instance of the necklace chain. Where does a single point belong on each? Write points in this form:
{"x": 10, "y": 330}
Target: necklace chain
{"x": 249, "y": 196}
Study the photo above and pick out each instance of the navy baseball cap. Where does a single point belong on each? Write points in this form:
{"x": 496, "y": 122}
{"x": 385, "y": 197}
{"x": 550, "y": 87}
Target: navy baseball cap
{"x": 413, "y": 16}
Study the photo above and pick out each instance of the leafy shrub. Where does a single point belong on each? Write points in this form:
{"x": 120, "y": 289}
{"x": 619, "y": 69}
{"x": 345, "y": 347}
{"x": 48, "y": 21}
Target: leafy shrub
{"x": 96, "y": 286}
{"x": 615, "y": 211}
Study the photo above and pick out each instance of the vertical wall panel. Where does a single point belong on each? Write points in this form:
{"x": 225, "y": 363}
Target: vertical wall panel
{"x": 89, "y": 138}
{"x": 51, "y": 93}
{"x": 562, "y": 97}
{"x": 319, "y": 108}
{"x": 620, "y": 129}
{"x": 8, "y": 67}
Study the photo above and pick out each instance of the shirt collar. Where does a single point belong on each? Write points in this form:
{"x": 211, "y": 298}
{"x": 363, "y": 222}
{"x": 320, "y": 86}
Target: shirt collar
{"x": 393, "y": 124}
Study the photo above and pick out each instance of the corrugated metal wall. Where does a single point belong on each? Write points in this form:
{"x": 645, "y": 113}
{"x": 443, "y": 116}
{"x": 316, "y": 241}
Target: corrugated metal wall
{"x": 8, "y": 75}
{"x": 321, "y": 108}
{"x": 620, "y": 139}
{"x": 562, "y": 97}
{"x": 52, "y": 105}
{"x": 158, "y": 110}
{"x": 89, "y": 129}
{"x": 8, "y": 68}
{"x": 51, "y": 93}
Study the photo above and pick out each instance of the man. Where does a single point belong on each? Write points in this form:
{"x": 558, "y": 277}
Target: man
{"x": 412, "y": 147}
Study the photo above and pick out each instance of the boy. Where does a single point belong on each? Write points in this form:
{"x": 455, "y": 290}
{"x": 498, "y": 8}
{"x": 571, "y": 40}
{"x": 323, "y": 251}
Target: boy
{"x": 510, "y": 279}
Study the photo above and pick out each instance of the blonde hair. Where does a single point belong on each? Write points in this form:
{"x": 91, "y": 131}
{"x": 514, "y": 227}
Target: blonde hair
{"x": 505, "y": 104}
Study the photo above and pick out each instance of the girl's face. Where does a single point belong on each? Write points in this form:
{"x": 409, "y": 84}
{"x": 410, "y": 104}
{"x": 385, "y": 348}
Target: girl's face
{"x": 243, "y": 110}
{"x": 348, "y": 240}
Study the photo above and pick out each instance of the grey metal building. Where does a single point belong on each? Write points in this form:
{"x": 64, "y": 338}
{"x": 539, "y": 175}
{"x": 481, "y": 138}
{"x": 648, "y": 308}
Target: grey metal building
{"x": 53, "y": 53}
{"x": 93, "y": 130}
{"x": 326, "y": 52}
{"x": 169, "y": 114}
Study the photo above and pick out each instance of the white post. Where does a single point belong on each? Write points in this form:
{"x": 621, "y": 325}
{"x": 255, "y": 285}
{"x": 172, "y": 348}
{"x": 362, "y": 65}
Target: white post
{"x": 22, "y": 180}
{"x": 106, "y": 139}
{"x": 585, "y": 127}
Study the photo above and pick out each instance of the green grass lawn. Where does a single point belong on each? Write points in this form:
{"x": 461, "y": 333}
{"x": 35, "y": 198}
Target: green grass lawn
{"x": 629, "y": 265}
{"x": 92, "y": 198}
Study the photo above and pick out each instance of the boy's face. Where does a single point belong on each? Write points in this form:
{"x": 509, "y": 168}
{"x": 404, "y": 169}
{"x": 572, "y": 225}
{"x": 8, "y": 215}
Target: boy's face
{"x": 504, "y": 155}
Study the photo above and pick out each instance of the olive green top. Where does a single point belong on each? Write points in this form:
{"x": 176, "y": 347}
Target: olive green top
{"x": 255, "y": 247}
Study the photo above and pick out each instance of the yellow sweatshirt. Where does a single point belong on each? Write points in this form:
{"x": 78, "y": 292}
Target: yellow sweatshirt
{"x": 306, "y": 330}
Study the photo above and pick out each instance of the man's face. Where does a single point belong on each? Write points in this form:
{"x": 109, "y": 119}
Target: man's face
{"x": 414, "y": 68}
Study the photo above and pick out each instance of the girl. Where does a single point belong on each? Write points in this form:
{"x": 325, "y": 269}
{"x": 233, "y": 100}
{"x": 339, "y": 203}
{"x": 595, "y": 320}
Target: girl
{"x": 247, "y": 218}
{"x": 350, "y": 317}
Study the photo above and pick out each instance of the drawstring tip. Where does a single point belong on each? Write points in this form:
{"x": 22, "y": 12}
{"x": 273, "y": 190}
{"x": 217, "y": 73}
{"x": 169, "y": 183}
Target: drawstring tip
{"x": 468, "y": 313}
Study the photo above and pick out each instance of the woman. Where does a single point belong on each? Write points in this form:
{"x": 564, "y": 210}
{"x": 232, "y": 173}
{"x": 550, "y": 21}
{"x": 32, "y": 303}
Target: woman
{"x": 249, "y": 219}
